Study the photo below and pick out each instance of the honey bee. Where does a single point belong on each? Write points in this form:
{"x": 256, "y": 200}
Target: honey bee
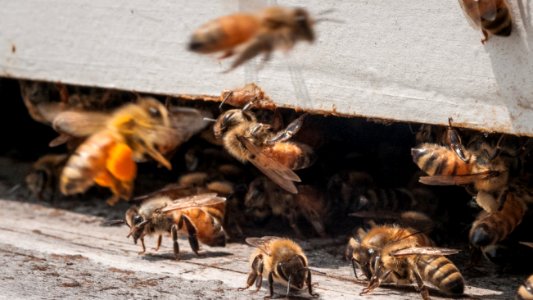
{"x": 249, "y": 34}
{"x": 248, "y": 140}
{"x": 43, "y": 179}
{"x": 107, "y": 157}
{"x": 388, "y": 254}
{"x": 493, "y": 17}
{"x": 264, "y": 198}
{"x": 490, "y": 228}
{"x": 480, "y": 165}
{"x": 199, "y": 217}
{"x": 525, "y": 290}
{"x": 250, "y": 94}
{"x": 280, "y": 260}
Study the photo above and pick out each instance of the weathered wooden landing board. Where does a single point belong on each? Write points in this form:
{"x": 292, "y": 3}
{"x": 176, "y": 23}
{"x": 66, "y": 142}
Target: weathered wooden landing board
{"x": 50, "y": 253}
{"x": 416, "y": 61}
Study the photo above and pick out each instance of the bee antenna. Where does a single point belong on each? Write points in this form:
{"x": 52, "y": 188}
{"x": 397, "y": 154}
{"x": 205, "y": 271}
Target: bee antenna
{"x": 326, "y": 11}
{"x": 320, "y": 20}
{"x": 114, "y": 222}
{"x": 210, "y": 119}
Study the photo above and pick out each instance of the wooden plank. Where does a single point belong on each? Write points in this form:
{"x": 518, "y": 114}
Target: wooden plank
{"x": 416, "y": 61}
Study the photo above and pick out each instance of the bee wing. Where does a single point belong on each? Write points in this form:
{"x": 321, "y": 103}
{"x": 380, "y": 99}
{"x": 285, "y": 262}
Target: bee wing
{"x": 288, "y": 132}
{"x": 455, "y": 179}
{"x": 187, "y": 122}
{"x": 194, "y": 201}
{"x": 79, "y": 123}
{"x": 425, "y": 251}
{"x": 261, "y": 243}
{"x": 280, "y": 174}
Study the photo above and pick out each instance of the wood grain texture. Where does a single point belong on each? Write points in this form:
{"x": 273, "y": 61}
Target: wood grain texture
{"x": 416, "y": 61}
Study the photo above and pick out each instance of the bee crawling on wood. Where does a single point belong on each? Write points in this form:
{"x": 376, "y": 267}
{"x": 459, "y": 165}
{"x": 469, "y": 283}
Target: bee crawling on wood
{"x": 280, "y": 260}
{"x": 389, "y": 254}
{"x": 199, "y": 217}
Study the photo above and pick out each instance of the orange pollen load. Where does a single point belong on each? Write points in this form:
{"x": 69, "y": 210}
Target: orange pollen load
{"x": 120, "y": 162}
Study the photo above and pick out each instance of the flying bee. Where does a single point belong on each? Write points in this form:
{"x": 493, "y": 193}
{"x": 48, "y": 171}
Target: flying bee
{"x": 115, "y": 141}
{"x": 265, "y": 198}
{"x": 491, "y": 228}
{"x": 248, "y": 140}
{"x": 388, "y": 254}
{"x": 249, "y": 34}
{"x": 280, "y": 260}
{"x": 479, "y": 165}
{"x": 493, "y": 17}
{"x": 43, "y": 179}
{"x": 199, "y": 217}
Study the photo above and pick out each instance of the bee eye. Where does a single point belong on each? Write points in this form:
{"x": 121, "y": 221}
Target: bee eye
{"x": 137, "y": 219}
{"x": 154, "y": 112}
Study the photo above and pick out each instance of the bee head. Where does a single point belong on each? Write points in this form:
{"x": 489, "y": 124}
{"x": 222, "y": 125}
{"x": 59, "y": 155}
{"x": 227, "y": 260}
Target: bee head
{"x": 230, "y": 119}
{"x": 294, "y": 271}
{"x": 303, "y": 25}
{"x": 136, "y": 222}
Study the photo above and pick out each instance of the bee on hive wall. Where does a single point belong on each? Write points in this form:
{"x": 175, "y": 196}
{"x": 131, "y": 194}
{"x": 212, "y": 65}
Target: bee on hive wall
{"x": 493, "y": 17}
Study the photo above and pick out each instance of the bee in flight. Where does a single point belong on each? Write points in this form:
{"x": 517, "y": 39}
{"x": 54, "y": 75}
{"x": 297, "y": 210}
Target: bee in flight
{"x": 493, "y": 17}
{"x": 250, "y": 34}
{"x": 248, "y": 140}
{"x": 389, "y": 254}
{"x": 199, "y": 217}
{"x": 280, "y": 260}
{"x": 116, "y": 141}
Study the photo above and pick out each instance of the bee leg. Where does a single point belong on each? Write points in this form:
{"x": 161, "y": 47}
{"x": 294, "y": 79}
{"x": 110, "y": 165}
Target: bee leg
{"x": 226, "y": 54}
{"x": 159, "y": 241}
{"x": 310, "y": 285}
{"x": 421, "y": 287}
{"x": 354, "y": 268}
{"x": 485, "y": 38}
{"x": 375, "y": 281}
{"x": 191, "y": 232}
{"x": 455, "y": 142}
{"x": 270, "y": 285}
{"x": 256, "y": 274}
{"x": 176, "y": 246}
{"x": 142, "y": 246}
{"x": 259, "y": 44}
{"x": 111, "y": 201}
